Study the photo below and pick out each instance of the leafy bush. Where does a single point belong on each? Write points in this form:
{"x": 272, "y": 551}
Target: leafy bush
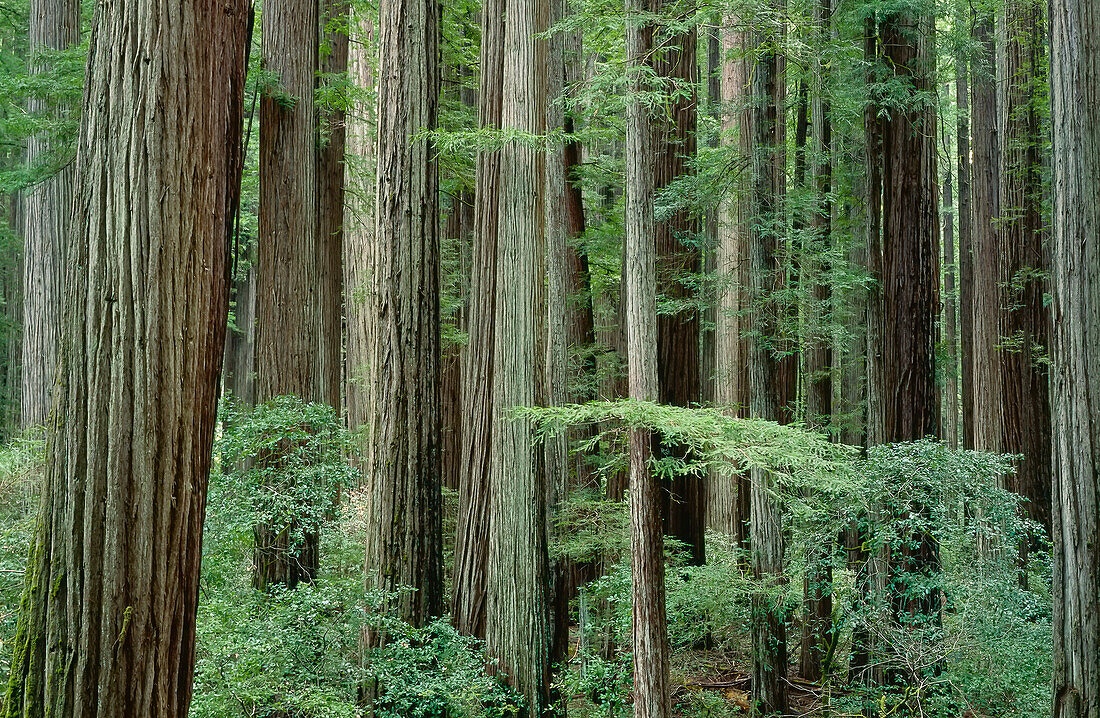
{"x": 283, "y": 465}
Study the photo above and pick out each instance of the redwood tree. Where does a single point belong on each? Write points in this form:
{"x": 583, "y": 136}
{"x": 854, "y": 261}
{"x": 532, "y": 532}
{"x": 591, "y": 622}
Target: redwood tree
{"x": 647, "y": 560}
{"x": 769, "y": 371}
{"x": 1075, "y": 281}
{"x": 287, "y": 347}
{"x": 1025, "y": 322}
{"x": 47, "y": 206}
{"x": 517, "y": 577}
{"x": 471, "y": 545}
{"x": 404, "y": 536}
{"x": 678, "y": 258}
{"x": 107, "y": 624}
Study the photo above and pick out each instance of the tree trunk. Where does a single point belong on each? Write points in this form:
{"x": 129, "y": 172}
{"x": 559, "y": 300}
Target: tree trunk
{"x": 518, "y": 631}
{"x": 404, "y": 536}
{"x": 907, "y": 399}
{"x": 239, "y": 370}
{"x": 647, "y": 560}
{"x": 1075, "y": 279}
{"x": 985, "y": 360}
{"x": 950, "y": 405}
{"x": 966, "y": 257}
{"x": 11, "y": 295}
{"x": 47, "y": 206}
{"x": 817, "y": 629}
{"x": 358, "y": 231}
{"x": 724, "y": 505}
{"x": 1025, "y": 326}
{"x": 287, "y": 351}
{"x": 678, "y": 259}
{"x": 471, "y": 545}
{"x": 107, "y": 628}
{"x": 768, "y": 386}
{"x": 330, "y": 209}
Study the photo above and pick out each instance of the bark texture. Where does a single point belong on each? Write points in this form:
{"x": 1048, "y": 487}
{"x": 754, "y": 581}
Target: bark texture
{"x": 907, "y": 401}
{"x": 985, "y": 359}
{"x": 1025, "y": 321}
{"x": 767, "y": 365}
{"x": 518, "y": 631}
{"x": 330, "y": 208}
{"x": 404, "y": 536}
{"x": 107, "y": 624}
{"x": 287, "y": 348}
{"x": 471, "y": 546}
{"x": 678, "y": 259}
{"x": 1075, "y": 94}
{"x": 358, "y": 231}
{"x": 727, "y": 502}
{"x": 950, "y": 406}
{"x": 647, "y": 561}
{"x": 46, "y": 210}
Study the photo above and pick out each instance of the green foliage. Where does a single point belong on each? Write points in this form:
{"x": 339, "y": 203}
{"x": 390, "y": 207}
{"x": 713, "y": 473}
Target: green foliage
{"x": 289, "y": 651}
{"x": 434, "y": 672}
{"x": 283, "y": 464}
{"x": 299, "y": 652}
{"x": 22, "y": 467}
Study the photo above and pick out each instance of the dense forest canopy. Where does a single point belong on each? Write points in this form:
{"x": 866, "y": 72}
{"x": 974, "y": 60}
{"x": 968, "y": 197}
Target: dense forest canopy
{"x": 489, "y": 358}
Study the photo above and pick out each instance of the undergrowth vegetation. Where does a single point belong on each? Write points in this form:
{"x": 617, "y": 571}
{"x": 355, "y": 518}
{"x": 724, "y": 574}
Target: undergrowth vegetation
{"x": 984, "y": 651}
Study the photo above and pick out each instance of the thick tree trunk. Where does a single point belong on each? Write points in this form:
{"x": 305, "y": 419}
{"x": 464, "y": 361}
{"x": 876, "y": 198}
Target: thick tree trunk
{"x": 768, "y": 386}
{"x": 907, "y": 399}
{"x": 404, "y": 536}
{"x": 1025, "y": 323}
{"x": 11, "y": 295}
{"x": 647, "y": 561}
{"x": 107, "y": 628}
{"x": 471, "y": 545}
{"x": 678, "y": 258}
{"x": 985, "y": 360}
{"x": 330, "y": 210}
{"x": 47, "y": 206}
{"x": 1075, "y": 279}
{"x": 518, "y": 631}
{"x": 287, "y": 350}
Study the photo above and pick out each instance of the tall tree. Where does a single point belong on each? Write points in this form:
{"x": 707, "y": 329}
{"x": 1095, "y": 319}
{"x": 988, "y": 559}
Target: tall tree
{"x": 768, "y": 368}
{"x": 358, "y": 226}
{"x": 332, "y": 62}
{"x": 906, "y": 401}
{"x": 727, "y": 502}
{"x": 678, "y": 258}
{"x": 107, "y": 628}
{"x": 517, "y": 634}
{"x": 950, "y": 410}
{"x": 1025, "y": 323}
{"x": 404, "y": 536}
{"x": 1075, "y": 281}
{"x": 966, "y": 258}
{"x": 47, "y": 206}
{"x": 471, "y": 547}
{"x": 985, "y": 360}
{"x": 647, "y": 561}
{"x": 287, "y": 351}
{"x": 817, "y": 627}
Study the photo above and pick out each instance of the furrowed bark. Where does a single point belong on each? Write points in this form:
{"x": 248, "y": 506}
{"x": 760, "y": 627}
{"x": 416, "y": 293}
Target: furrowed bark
{"x": 107, "y": 621}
